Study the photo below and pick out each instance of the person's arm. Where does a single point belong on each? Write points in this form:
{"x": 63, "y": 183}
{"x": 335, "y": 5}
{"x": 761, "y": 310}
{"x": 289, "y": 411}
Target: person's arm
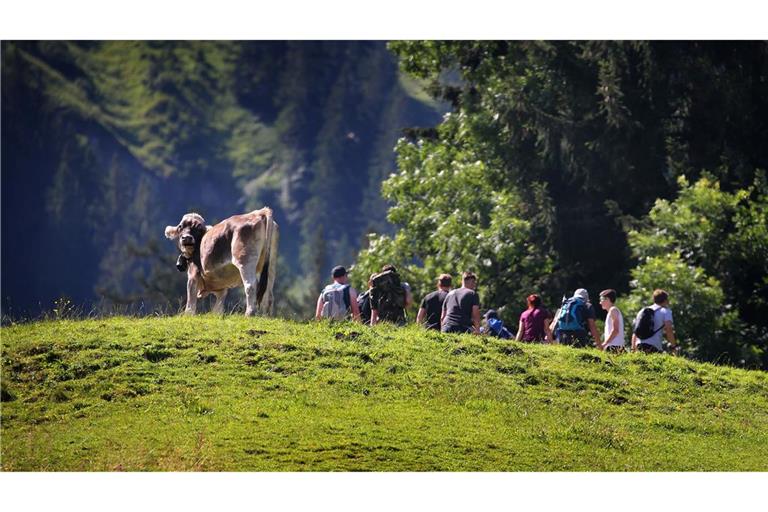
{"x": 553, "y": 324}
{"x": 634, "y": 342}
{"x": 519, "y": 334}
{"x": 442, "y": 314}
{"x": 319, "y": 307}
{"x": 374, "y": 316}
{"x": 408, "y": 297}
{"x": 553, "y": 329}
{"x": 353, "y": 304}
{"x": 669, "y": 332}
{"x": 548, "y": 337}
{"x": 476, "y": 319}
{"x": 420, "y": 316}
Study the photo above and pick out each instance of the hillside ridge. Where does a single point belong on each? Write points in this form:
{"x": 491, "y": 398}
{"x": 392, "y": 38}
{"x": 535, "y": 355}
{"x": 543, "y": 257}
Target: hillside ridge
{"x": 229, "y": 393}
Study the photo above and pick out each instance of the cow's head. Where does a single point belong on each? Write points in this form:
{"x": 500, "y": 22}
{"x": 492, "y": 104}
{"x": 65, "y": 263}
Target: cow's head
{"x": 189, "y": 233}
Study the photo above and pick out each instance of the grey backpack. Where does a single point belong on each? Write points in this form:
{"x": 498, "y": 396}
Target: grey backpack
{"x": 335, "y": 301}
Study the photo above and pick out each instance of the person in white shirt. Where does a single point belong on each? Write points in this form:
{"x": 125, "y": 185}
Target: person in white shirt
{"x": 613, "y": 337}
{"x": 662, "y": 320}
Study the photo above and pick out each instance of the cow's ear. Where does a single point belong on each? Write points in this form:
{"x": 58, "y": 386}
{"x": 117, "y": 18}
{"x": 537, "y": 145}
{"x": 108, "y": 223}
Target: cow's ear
{"x": 171, "y": 232}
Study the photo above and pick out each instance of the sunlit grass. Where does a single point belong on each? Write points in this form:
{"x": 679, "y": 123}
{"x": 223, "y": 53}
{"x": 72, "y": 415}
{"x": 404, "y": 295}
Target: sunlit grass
{"x": 230, "y": 393}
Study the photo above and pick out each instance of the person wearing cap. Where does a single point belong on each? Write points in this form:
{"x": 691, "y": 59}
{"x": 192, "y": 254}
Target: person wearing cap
{"x": 461, "y": 308}
{"x": 534, "y": 322}
{"x": 432, "y": 304}
{"x": 576, "y": 316}
{"x": 340, "y": 285}
{"x": 494, "y": 326}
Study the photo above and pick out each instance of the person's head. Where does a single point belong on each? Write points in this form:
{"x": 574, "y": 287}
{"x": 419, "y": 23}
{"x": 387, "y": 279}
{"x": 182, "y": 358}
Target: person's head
{"x": 469, "y": 280}
{"x": 491, "y": 313}
{"x": 444, "y": 282}
{"x": 389, "y": 267}
{"x": 533, "y": 300}
{"x": 339, "y": 274}
{"x": 582, "y": 294}
{"x": 660, "y": 297}
{"x": 607, "y": 298}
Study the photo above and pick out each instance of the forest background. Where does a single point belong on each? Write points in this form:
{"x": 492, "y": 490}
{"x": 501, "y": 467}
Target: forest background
{"x": 542, "y": 166}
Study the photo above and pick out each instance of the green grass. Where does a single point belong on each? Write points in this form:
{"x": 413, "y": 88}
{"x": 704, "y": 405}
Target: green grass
{"x": 235, "y": 394}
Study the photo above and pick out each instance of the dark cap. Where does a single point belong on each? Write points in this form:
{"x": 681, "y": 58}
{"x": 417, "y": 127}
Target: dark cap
{"x": 338, "y": 271}
{"x": 491, "y": 313}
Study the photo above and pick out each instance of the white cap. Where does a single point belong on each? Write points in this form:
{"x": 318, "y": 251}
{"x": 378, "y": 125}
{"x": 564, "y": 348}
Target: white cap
{"x": 582, "y": 293}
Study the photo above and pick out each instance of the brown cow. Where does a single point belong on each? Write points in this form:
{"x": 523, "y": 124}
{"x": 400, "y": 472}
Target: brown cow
{"x": 239, "y": 250}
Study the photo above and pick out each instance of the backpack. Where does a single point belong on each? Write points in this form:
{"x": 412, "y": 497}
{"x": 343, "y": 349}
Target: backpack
{"x": 642, "y": 327}
{"x": 496, "y": 328}
{"x": 335, "y": 301}
{"x": 388, "y": 296}
{"x": 570, "y": 317}
{"x": 364, "y": 304}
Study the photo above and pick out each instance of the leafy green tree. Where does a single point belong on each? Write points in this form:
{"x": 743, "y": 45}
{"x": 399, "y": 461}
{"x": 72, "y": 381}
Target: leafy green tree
{"x": 453, "y": 217}
{"x": 709, "y": 249}
{"x": 606, "y": 125}
{"x": 216, "y": 127}
{"x": 705, "y": 325}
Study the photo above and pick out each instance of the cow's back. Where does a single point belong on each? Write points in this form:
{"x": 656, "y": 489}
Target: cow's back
{"x": 217, "y": 248}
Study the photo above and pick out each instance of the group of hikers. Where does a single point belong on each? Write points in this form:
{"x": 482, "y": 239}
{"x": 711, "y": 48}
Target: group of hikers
{"x": 457, "y": 310}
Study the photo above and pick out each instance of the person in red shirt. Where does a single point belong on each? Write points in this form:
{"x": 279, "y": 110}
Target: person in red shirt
{"x": 534, "y": 322}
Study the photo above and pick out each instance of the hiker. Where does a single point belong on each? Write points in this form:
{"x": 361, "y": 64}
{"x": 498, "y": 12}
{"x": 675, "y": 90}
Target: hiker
{"x": 389, "y": 297}
{"x": 432, "y": 305}
{"x": 461, "y": 308}
{"x": 534, "y": 322}
{"x": 494, "y": 326}
{"x": 613, "y": 337}
{"x": 338, "y": 298}
{"x": 576, "y": 315}
{"x": 651, "y": 323}
{"x": 364, "y": 302}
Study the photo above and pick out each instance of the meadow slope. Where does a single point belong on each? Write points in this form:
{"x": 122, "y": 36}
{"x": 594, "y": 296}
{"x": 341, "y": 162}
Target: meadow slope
{"x": 228, "y": 393}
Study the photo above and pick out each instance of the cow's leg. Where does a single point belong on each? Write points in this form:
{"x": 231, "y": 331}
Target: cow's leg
{"x": 218, "y": 306}
{"x": 191, "y": 296}
{"x": 267, "y": 300}
{"x": 246, "y": 251}
{"x": 250, "y": 284}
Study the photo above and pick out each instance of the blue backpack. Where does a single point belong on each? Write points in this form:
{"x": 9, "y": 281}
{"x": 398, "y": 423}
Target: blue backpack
{"x": 496, "y": 328}
{"x": 570, "y": 316}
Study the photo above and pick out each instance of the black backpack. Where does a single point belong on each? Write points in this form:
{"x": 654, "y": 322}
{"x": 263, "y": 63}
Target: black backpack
{"x": 643, "y": 325}
{"x": 364, "y": 303}
{"x": 388, "y": 296}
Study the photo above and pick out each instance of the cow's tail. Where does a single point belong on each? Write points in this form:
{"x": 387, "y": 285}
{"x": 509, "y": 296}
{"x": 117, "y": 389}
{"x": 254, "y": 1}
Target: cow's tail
{"x": 264, "y": 277}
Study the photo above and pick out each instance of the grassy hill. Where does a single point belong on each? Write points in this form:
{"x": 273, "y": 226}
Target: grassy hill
{"x": 237, "y": 394}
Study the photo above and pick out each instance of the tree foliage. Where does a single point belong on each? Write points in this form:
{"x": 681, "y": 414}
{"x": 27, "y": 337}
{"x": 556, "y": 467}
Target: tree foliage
{"x": 94, "y": 132}
{"x": 606, "y": 125}
{"x": 574, "y": 141}
{"x": 709, "y": 249}
{"x": 454, "y": 217}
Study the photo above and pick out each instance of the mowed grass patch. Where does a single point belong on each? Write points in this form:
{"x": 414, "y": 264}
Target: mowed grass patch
{"x": 214, "y": 393}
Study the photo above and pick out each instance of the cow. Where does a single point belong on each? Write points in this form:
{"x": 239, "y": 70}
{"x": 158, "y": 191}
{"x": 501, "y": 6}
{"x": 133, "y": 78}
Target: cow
{"x": 240, "y": 250}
